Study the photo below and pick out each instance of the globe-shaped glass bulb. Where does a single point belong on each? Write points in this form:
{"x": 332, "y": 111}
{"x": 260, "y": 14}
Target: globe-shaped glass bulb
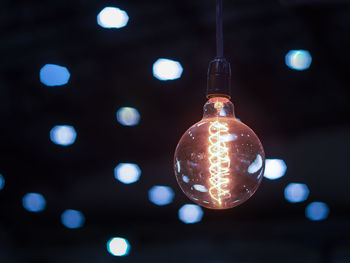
{"x": 219, "y": 162}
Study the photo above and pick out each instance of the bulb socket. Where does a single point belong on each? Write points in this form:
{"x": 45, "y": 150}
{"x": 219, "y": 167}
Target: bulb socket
{"x": 219, "y": 78}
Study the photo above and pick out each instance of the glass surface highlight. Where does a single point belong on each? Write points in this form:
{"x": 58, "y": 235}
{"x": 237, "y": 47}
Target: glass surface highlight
{"x": 219, "y": 161}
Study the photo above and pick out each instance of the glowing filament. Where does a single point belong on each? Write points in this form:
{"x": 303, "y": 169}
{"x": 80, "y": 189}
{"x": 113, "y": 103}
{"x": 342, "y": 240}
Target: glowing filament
{"x": 219, "y": 160}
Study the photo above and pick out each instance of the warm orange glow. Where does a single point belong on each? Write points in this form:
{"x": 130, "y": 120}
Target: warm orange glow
{"x": 219, "y": 160}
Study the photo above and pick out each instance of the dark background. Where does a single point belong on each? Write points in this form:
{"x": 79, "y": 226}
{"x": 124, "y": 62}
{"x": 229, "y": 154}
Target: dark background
{"x": 301, "y": 117}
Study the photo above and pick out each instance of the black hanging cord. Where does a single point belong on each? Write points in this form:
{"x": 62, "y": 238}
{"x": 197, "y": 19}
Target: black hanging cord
{"x": 219, "y": 34}
{"x": 219, "y": 71}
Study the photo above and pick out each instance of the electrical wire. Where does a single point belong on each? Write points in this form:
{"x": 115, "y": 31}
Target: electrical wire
{"x": 219, "y": 34}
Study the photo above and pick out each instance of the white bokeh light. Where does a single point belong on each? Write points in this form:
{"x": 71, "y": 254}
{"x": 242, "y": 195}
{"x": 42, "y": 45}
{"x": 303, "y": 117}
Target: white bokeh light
{"x": 54, "y": 75}
{"x": 167, "y": 69}
{"x": 34, "y": 202}
{"x": 72, "y": 219}
{"x": 298, "y": 59}
{"x": 274, "y": 168}
{"x": 112, "y": 17}
{"x": 63, "y": 135}
{"x": 296, "y": 192}
{"x": 317, "y": 211}
{"x": 128, "y": 116}
{"x": 118, "y": 246}
{"x": 161, "y": 195}
{"x": 190, "y": 213}
{"x": 2, "y": 182}
{"x": 127, "y": 173}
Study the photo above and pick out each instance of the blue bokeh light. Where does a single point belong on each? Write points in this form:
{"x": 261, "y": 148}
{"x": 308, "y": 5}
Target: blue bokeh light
{"x": 112, "y": 17}
{"x": 118, "y": 246}
{"x": 317, "y": 211}
{"x": 190, "y": 213}
{"x": 167, "y": 69}
{"x": 54, "y": 75}
{"x": 63, "y": 135}
{"x": 161, "y": 195}
{"x": 72, "y": 219}
{"x": 298, "y": 59}
{"x": 127, "y": 173}
{"x": 2, "y": 182}
{"x": 128, "y": 116}
{"x": 296, "y": 192}
{"x": 34, "y": 202}
{"x": 274, "y": 169}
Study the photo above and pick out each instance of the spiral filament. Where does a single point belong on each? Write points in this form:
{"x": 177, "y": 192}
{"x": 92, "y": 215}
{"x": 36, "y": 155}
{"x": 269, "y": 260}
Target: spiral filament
{"x": 219, "y": 160}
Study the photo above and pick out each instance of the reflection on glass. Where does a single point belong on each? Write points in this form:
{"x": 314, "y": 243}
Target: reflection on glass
{"x": 200, "y": 188}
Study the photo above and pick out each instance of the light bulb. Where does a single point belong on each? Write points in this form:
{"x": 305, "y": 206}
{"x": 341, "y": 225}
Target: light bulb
{"x": 219, "y": 162}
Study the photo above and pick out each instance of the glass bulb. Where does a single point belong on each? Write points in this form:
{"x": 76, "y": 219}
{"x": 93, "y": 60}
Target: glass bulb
{"x": 219, "y": 162}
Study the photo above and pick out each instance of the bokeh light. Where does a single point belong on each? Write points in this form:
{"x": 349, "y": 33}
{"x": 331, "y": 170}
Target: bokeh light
{"x": 63, "y": 135}
{"x": 161, "y": 195}
{"x": 190, "y": 213}
{"x": 128, "y": 116}
{"x": 2, "y": 182}
{"x": 317, "y": 211}
{"x": 72, "y": 219}
{"x": 167, "y": 69}
{"x": 274, "y": 168}
{"x": 298, "y": 59}
{"x": 118, "y": 246}
{"x": 127, "y": 173}
{"x": 54, "y": 75}
{"x": 34, "y": 202}
{"x": 112, "y": 17}
{"x": 295, "y": 192}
